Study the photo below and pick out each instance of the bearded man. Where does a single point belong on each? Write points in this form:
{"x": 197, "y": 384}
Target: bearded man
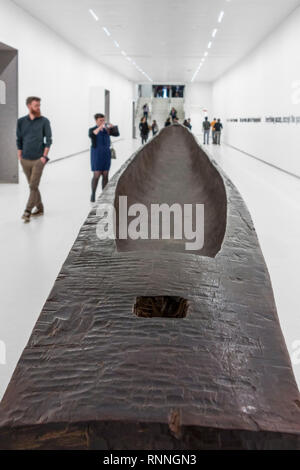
{"x": 34, "y": 139}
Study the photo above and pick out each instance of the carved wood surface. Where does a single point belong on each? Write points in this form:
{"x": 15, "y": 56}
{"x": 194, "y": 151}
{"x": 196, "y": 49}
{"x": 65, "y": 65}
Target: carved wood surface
{"x": 94, "y": 375}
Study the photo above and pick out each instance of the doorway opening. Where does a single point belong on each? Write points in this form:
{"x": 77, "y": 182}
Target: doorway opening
{"x": 107, "y": 105}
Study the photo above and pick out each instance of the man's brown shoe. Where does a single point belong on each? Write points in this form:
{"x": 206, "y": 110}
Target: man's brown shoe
{"x": 38, "y": 213}
{"x": 26, "y": 217}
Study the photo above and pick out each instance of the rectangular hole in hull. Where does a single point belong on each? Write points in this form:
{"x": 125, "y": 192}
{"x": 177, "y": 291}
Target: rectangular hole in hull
{"x": 161, "y": 306}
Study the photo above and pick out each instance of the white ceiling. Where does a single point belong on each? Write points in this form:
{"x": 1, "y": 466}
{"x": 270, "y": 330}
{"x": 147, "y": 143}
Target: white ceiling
{"x": 165, "y": 38}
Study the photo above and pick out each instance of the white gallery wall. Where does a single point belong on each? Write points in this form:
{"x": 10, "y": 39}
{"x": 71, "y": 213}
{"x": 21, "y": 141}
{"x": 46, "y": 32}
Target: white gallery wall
{"x": 66, "y": 79}
{"x": 265, "y": 85}
{"x": 198, "y": 103}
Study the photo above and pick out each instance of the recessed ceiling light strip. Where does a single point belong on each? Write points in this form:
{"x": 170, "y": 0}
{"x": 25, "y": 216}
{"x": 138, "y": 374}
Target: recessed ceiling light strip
{"x": 106, "y": 31}
{"x": 96, "y": 18}
{"x": 209, "y": 46}
{"x": 221, "y": 16}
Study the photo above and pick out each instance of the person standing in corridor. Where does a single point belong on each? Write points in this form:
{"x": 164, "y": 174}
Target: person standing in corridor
{"x": 218, "y": 131}
{"x": 144, "y": 130}
{"x": 34, "y": 139}
{"x": 213, "y": 130}
{"x": 146, "y": 111}
{"x": 187, "y": 123}
{"x": 154, "y": 128}
{"x": 206, "y": 130}
{"x": 173, "y": 114}
{"x": 100, "y": 153}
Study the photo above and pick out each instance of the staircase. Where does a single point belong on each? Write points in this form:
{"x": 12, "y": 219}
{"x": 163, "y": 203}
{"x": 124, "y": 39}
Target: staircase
{"x": 160, "y": 109}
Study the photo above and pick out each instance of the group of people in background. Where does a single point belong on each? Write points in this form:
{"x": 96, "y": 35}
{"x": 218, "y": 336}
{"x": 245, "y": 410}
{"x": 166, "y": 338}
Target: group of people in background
{"x": 173, "y": 119}
{"x": 145, "y": 128}
{"x": 216, "y": 127}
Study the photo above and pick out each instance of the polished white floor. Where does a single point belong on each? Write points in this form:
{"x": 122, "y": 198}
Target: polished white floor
{"x": 31, "y": 255}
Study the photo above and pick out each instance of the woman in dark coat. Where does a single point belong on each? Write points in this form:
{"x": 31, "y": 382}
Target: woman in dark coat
{"x": 100, "y": 153}
{"x": 144, "y": 129}
{"x": 154, "y": 128}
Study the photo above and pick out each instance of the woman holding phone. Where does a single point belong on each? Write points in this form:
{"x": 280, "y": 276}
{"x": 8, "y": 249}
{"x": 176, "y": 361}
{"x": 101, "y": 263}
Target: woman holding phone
{"x": 100, "y": 153}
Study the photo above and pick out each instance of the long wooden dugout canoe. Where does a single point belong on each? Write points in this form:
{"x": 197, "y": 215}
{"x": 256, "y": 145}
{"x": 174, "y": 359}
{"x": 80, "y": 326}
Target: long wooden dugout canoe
{"x": 143, "y": 345}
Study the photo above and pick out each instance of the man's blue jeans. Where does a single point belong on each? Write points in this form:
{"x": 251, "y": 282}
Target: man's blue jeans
{"x": 206, "y": 137}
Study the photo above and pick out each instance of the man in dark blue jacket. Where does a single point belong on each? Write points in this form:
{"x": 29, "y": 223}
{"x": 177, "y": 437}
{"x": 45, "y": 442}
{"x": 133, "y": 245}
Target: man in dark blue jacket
{"x": 218, "y": 130}
{"x": 34, "y": 139}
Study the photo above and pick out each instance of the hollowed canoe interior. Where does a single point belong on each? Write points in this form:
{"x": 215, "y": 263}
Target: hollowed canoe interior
{"x": 173, "y": 169}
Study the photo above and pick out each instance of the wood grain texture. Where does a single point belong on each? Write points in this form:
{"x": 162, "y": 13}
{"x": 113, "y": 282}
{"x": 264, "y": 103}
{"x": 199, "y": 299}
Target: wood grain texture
{"x": 94, "y": 375}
